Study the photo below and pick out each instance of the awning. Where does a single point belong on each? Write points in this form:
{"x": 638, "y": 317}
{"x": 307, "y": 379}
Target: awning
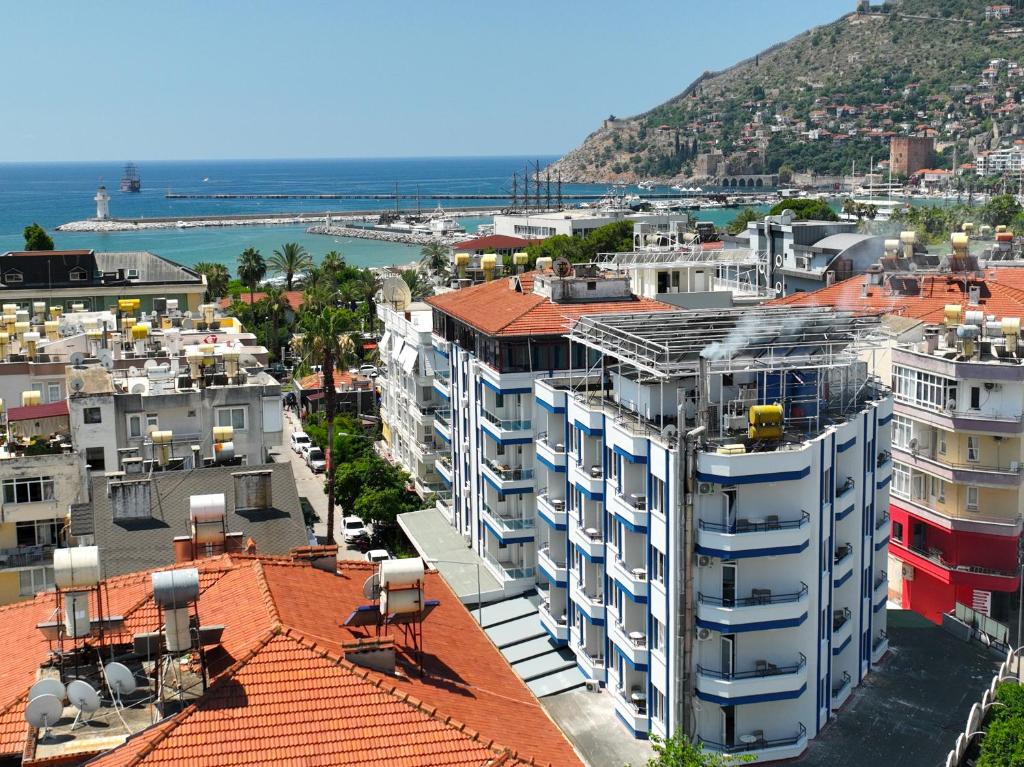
{"x": 428, "y": 362}
{"x": 384, "y": 341}
{"x": 315, "y": 397}
{"x": 408, "y": 358}
{"x": 396, "y": 350}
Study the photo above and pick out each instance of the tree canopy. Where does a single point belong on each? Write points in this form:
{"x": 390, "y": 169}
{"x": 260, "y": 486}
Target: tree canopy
{"x": 806, "y": 209}
{"x": 610, "y": 238}
{"x": 36, "y": 238}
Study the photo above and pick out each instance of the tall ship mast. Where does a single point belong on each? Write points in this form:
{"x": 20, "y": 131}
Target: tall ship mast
{"x": 130, "y": 181}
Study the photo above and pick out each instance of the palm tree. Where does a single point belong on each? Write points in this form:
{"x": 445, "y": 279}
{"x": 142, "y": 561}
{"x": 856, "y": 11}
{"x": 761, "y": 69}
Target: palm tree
{"x": 315, "y": 277}
{"x": 217, "y": 279}
{"x": 419, "y": 285}
{"x": 325, "y": 339}
{"x": 291, "y": 259}
{"x": 366, "y": 286}
{"x": 275, "y": 304}
{"x": 333, "y": 264}
{"x": 251, "y": 269}
{"x": 434, "y": 257}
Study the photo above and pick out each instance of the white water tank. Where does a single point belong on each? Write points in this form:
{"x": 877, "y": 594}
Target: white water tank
{"x": 176, "y": 629}
{"x": 397, "y": 573}
{"x": 77, "y": 567}
{"x": 76, "y": 614}
{"x": 173, "y": 589}
{"x": 401, "y": 572}
{"x": 207, "y": 508}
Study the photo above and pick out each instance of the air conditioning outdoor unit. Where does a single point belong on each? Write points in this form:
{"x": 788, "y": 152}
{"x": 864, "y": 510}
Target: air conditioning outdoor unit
{"x": 593, "y": 685}
{"x": 705, "y": 488}
{"x": 703, "y": 634}
{"x": 907, "y": 571}
{"x": 704, "y": 561}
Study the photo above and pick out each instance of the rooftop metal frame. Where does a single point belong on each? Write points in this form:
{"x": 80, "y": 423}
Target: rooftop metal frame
{"x": 681, "y": 256}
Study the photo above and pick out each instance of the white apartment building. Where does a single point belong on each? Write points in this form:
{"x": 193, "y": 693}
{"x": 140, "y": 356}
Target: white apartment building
{"x": 998, "y": 161}
{"x": 409, "y": 404}
{"x": 574, "y": 222}
{"x": 720, "y": 576}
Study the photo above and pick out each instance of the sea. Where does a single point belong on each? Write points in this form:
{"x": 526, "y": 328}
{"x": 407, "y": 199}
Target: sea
{"x": 51, "y": 194}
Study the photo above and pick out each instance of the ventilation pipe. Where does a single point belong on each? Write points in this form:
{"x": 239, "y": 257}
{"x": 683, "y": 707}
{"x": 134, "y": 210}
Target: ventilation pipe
{"x": 908, "y": 239}
{"x": 488, "y": 262}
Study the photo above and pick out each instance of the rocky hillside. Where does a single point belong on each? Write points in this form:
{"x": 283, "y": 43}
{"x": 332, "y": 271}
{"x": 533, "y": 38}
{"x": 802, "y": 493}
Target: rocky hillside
{"x": 829, "y": 97}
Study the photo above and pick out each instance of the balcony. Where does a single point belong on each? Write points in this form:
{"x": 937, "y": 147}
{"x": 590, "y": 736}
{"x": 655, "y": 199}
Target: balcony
{"x": 754, "y": 537}
{"x": 589, "y": 476}
{"x": 841, "y": 692}
{"x": 931, "y": 560}
{"x": 443, "y": 383}
{"x": 503, "y": 477}
{"x": 509, "y": 571}
{"x": 504, "y": 428}
{"x": 556, "y": 625}
{"x": 551, "y": 451}
{"x": 842, "y": 564}
{"x": 26, "y": 556}
{"x": 882, "y": 525}
{"x": 549, "y": 565}
{"x": 443, "y": 423}
{"x": 634, "y": 579}
{"x": 842, "y": 629}
{"x": 590, "y": 599}
{"x": 970, "y": 473}
{"x": 591, "y": 663}
{"x": 589, "y": 540}
{"x": 880, "y": 588}
{"x": 844, "y": 490}
{"x": 765, "y": 678}
{"x": 879, "y": 646}
{"x": 443, "y": 467}
{"x": 631, "y": 706}
{"x": 965, "y": 420}
{"x": 631, "y": 507}
{"x": 765, "y": 749}
{"x": 551, "y": 510}
{"x": 508, "y": 526}
{"x": 761, "y": 611}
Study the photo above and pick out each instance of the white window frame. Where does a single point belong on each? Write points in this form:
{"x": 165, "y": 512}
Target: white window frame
{"x": 39, "y": 578}
{"x": 47, "y": 493}
{"x": 53, "y": 392}
{"x": 135, "y": 418}
{"x": 900, "y": 486}
{"x": 973, "y": 496}
{"x": 942, "y": 441}
{"x": 902, "y": 430}
{"x": 231, "y": 416}
{"x": 973, "y": 448}
{"x": 78, "y": 274}
{"x": 13, "y": 277}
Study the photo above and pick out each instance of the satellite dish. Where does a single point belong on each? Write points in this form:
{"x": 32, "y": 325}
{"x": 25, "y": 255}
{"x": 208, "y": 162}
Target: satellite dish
{"x": 371, "y": 589}
{"x": 76, "y": 384}
{"x": 85, "y": 698}
{"x": 150, "y": 364}
{"x": 53, "y": 687}
{"x": 120, "y": 679}
{"x": 139, "y": 388}
{"x": 562, "y": 267}
{"x": 669, "y": 432}
{"x": 187, "y": 322}
{"x": 77, "y": 358}
{"x": 913, "y": 443}
{"x": 396, "y": 293}
{"x": 44, "y": 711}
{"x": 106, "y": 358}
{"x": 133, "y": 372}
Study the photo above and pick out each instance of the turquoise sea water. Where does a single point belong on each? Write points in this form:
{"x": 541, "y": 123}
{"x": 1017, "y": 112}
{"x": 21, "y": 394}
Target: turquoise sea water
{"x": 55, "y": 193}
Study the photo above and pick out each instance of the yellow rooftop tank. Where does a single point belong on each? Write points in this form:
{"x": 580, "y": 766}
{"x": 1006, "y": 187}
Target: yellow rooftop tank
{"x": 954, "y": 314}
{"x": 765, "y": 422}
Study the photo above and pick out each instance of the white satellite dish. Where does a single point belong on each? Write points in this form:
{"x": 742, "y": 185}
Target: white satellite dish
{"x": 133, "y": 372}
{"x": 120, "y": 680}
{"x": 84, "y": 697}
{"x": 106, "y": 358}
{"x": 47, "y": 687}
{"x": 77, "y": 358}
{"x": 139, "y": 388}
{"x": 396, "y": 293}
{"x": 44, "y": 711}
{"x": 371, "y": 589}
{"x": 150, "y": 364}
{"x": 188, "y": 314}
{"x": 76, "y": 384}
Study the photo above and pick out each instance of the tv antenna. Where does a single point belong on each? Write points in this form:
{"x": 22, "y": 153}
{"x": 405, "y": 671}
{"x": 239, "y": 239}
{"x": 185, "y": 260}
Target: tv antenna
{"x": 120, "y": 680}
{"x": 84, "y": 697}
{"x": 44, "y": 711}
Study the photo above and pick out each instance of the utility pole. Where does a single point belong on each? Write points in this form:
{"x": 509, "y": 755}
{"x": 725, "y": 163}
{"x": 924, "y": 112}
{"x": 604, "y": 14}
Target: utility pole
{"x": 536, "y": 183}
{"x": 559, "y": 190}
{"x": 547, "y": 194}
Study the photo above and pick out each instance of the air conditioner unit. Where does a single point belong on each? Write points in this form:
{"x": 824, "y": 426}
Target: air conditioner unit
{"x": 705, "y": 488}
{"x": 907, "y": 572}
{"x": 704, "y": 561}
{"x": 703, "y": 634}
{"x": 593, "y": 685}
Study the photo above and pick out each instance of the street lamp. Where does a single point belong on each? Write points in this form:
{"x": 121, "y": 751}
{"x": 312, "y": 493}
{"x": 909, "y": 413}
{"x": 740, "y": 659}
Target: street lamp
{"x": 479, "y": 597}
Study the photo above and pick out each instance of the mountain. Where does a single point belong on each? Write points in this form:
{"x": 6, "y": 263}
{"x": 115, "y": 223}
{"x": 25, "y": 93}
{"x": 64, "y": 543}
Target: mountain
{"x": 831, "y": 97}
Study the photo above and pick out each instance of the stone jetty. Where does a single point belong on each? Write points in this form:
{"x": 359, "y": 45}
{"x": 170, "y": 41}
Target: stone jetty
{"x": 383, "y": 235}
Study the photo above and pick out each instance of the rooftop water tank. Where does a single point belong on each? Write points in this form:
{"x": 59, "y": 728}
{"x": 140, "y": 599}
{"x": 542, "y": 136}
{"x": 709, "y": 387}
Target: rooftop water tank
{"x": 77, "y": 567}
{"x": 176, "y": 588}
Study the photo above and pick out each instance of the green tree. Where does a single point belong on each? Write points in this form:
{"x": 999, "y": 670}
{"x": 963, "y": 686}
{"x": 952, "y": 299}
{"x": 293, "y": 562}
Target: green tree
{"x": 274, "y": 304}
{"x": 325, "y": 339}
{"x": 419, "y": 285}
{"x": 290, "y": 260}
{"x": 806, "y": 209}
{"x": 333, "y": 265}
{"x": 365, "y": 286}
{"x": 677, "y": 751}
{"x": 434, "y": 257}
{"x": 217, "y": 279}
{"x": 739, "y": 224}
{"x": 36, "y": 238}
{"x": 251, "y": 269}
{"x": 1003, "y": 742}
{"x": 1000, "y": 210}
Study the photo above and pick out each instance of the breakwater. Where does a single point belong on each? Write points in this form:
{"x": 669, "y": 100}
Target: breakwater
{"x": 403, "y": 238}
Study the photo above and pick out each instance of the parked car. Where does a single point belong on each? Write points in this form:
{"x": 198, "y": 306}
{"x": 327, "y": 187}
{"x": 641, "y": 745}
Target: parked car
{"x": 354, "y": 528}
{"x": 315, "y": 460}
{"x": 378, "y": 555}
{"x": 367, "y": 370}
{"x": 299, "y": 440}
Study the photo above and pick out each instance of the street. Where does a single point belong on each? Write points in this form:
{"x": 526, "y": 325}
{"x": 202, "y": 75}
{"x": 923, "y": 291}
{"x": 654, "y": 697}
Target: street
{"x": 311, "y": 487}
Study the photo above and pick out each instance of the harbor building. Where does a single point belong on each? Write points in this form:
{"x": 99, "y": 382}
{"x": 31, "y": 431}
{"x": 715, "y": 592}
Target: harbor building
{"x": 573, "y": 223}
{"x": 409, "y": 403}
{"x": 97, "y": 280}
{"x": 712, "y": 522}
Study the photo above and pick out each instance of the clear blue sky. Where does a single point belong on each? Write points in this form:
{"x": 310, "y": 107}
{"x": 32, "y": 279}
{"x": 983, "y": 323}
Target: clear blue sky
{"x": 104, "y": 80}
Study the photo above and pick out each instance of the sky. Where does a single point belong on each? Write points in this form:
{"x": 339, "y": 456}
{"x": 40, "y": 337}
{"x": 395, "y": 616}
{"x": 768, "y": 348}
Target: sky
{"x": 193, "y": 79}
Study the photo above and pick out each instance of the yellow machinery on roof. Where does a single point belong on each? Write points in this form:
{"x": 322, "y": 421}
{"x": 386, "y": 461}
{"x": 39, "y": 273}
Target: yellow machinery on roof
{"x": 765, "y": 422}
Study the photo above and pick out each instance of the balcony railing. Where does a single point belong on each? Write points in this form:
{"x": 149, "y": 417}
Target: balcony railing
{"x": 770, "y": 522}
{"x": 935, "y": 556}
{"x": 545, "y": 549}
{"x": 635, "y": 699}
{"x": 445, "y": 461}
{"x": 757, "y": 597}
{"x": 882, "y": 519}
{"x": 878, "y": 641}
{"x": 761, "y": 668}
{"x": 444, "y": 376}
{"x": 636, "y": 638}
{"x": 508, "y": 473}
{"x": 839, "y": 618}
{"x": 842, "y": 552}
{"x": 24, "y": 556}
{"x": 635, "y": 500}
{"x": 513, "y": 522}
{"x": 844, "y": 682}
{"x": 558, "y": 504}
{"x": 880, "y": 578}
{"x": 512, "y": 570}
{"x": 847, "y": 485}
{"x": 757, "y": 742}
{"x": 506, "y": 424}
{"x": 595, "y": 595}
{"x": 924, "y": 455}
{"x": 443, "y": 417}
{"x": 883, "y": 458}
{"x": 555, "y": 443}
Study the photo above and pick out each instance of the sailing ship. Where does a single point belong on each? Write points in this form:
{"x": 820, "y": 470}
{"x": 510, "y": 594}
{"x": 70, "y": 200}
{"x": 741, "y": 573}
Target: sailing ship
{"x": 130, "y": 181}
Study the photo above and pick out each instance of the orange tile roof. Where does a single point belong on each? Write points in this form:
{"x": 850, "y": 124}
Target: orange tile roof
{"x": 282, "y": 692}
{"x": 1002, "y": 294}
{"x": 294, "y": 298}
{"x": 498, "y": 309}
{"x": 315, "y": 381}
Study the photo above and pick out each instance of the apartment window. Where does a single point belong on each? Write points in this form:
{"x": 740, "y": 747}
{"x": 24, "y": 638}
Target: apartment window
{"x": 922, "y": 389}
{"x": 972, "y": 498}
{"x": 232, "y": 416}
{"x": 92, "y": 415}
{"x": 95, "y": 458}
{"x": 938, "y": 488}
{"x": 134, "y": 426}
{"x": 900, "y": 480}
{"x": 28, "y": 490}
{"x": 35, "y": 580}
{"x": 975, "y": 398}
{"x": 897, "y": 532}
{"x": 657, "y": 634}
{"x": 657, "y": 566}
{"x": 53, "y": 392}
{"x": 657, "y": 704}
{"x": 902, "y": 428}
{"x": 942, "y": 443}
{"x": 657, "y": 499}
{"x": 973, "y": 449}
{"x": 41, "y": 532}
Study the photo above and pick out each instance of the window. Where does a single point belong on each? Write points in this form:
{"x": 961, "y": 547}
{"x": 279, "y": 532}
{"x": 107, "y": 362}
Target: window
{"x": 900, "y": 479}
{"x": 232, "y": 416}
{"x": 42, "y": 532}
{"x": 897, "y": 532}
{"x": 657, "y": 704}
{"x": 78, "y": 274}
{"x": 35, "y": 580}
{"x": 922, "y": 389}
{"x": 973, "y": 449}
{"x": 901, "y": 431}
{"x": 657, "y": 566}
{"x": 657, "y": 634}
{"x": 28, "y": 490}
{"x": 92, "y": 415}
{"x": 95, "y": 457}
{"x": 12, "y": 277}
{"x": 942, "y": 443}
{"x": 657, "y": 500}
{"x": 938, "y": 489}
{"x": 53, "y": 392}
{"x": 972, "y": 498}
{"x": 152, "y": 420}
{"x": 975, "y": 398}
{"x": 134, "y": 426}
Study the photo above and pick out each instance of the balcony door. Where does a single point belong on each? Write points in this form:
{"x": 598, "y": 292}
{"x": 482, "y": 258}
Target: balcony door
{"x": 728, "y": 654}
{"x": 728, "y": 584}
{"x": 728, "y": 725}
{"x": 729, "y": 510}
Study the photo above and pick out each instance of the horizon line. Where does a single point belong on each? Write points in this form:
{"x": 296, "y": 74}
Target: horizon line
{"x": 287, "y": 159}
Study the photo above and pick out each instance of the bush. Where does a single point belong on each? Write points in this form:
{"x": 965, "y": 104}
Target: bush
{"x": 1003, "y": 742}
{"x": 806, "y": 210}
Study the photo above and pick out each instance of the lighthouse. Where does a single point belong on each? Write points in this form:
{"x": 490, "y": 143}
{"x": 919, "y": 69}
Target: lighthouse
{"x": 102, "y": 204}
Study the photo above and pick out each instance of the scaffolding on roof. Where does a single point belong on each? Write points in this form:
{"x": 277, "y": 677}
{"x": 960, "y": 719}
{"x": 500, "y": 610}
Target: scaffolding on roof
{"x": 680, "y": 257}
